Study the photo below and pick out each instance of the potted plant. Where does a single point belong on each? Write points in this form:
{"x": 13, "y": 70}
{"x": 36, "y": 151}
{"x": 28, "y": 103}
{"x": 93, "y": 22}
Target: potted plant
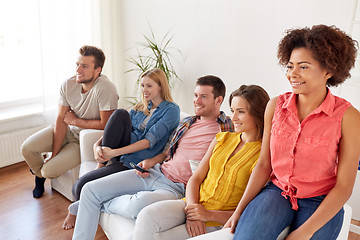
{"x": 154, "y": 54}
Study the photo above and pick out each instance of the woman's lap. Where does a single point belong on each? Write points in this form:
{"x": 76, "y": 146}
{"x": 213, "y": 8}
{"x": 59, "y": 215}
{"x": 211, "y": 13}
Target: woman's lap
{"x": 269, "y": 213}
{"x": 265, "y": 216}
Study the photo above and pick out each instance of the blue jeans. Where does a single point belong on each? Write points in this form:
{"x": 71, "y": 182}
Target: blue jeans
{"x": 269, "y": 213}
{"x": 123, "y": 193}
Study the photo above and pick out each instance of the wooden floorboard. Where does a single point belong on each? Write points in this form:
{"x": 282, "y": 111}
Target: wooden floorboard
{"x": 354, "y": 236}
{"x": 23, "y": 217}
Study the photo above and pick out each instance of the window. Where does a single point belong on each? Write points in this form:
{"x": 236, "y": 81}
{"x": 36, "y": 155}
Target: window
{"x": 39, "y": 43}
{"x": 21, "y": 81}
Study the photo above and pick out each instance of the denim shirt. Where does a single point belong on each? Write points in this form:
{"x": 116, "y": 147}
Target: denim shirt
{"x": 158, "y": 129}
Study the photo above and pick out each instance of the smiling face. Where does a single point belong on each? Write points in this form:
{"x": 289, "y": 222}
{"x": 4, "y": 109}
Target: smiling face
{"x": 305, "y": 74}
{"x": 206, "y": 105}
{"x": 151, "y": 90}
{"x": 241, "y": 118}
{"x": 85, "y": 70}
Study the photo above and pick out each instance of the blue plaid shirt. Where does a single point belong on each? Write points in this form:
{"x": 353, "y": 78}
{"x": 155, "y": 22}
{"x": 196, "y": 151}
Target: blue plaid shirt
{"x": 224, "y": 122}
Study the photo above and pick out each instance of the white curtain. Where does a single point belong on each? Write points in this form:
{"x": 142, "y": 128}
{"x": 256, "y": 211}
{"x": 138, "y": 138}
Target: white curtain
{"x": 67, "y": 25}
{"x": 48, "y": 57}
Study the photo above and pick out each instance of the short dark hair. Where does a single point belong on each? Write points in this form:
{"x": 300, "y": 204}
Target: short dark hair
{"x": 331, "y": 47}
{"x": 97, "y": 53}
{"x": 218, "y": 85}
{"x": 257, "y": 99}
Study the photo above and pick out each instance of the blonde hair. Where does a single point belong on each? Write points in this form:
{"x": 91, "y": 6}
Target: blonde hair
{"x": 158, "y": 76}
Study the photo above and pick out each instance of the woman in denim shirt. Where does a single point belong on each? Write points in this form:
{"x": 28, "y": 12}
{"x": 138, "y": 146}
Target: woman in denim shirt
{"x": 132, "y": 136}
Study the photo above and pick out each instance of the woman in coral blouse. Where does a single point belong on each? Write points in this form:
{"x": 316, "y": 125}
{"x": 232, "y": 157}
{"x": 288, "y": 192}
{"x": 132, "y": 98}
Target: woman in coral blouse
{"x": 218, "y": 183}
{"x": 310, "y": 148}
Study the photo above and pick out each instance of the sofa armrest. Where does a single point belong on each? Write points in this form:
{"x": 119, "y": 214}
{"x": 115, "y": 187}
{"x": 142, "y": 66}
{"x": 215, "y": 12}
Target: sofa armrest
{"x": 87, "y": 139}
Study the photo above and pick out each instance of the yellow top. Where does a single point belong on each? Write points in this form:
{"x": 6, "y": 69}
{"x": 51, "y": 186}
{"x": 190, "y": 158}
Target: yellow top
{"x": 227, "y": 178}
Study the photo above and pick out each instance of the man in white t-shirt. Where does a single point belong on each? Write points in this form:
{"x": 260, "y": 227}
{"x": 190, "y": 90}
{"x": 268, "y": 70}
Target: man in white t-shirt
{"x": 86, "y": 102}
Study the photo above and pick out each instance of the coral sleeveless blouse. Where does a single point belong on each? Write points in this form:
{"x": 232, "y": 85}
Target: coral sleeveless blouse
{"x": 304, "y": 156}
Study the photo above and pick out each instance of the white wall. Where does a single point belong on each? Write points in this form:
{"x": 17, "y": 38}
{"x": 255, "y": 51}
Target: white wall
{"x": 235, "y": 40}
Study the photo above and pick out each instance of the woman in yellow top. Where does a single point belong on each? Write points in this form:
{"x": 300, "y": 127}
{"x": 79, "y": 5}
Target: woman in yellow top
{"x": 219, "y": 182}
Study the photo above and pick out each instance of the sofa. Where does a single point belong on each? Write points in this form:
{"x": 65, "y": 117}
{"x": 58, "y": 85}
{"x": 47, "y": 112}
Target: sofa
{"x": 118, "y": 227}
{"x": 354, "y": 202}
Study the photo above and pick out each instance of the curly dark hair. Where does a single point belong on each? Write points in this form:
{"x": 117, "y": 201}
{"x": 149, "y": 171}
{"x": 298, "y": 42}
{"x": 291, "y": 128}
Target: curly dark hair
{"x": 331, "y": 47}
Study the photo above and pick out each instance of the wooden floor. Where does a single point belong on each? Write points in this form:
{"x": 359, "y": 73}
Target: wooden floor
{"x": 354, "y": 236}
{"x": 23, "y": 217}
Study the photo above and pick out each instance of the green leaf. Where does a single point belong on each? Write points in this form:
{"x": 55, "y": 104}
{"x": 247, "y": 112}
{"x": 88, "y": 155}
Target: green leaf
{"x": 155, "y": 55}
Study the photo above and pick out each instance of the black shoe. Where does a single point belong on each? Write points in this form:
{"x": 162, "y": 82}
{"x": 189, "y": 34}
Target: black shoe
{"x": 39, "y": 187}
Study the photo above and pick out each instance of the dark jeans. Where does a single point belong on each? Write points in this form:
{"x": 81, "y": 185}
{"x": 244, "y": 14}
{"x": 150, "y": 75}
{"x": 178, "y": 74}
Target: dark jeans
{"x": 269, "y": 213}
{"x": 117, "y": 134}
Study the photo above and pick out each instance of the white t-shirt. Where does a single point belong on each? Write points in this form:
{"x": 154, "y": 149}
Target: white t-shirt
{"x": 101, "y": 97}
{"x": 143, "y": 124}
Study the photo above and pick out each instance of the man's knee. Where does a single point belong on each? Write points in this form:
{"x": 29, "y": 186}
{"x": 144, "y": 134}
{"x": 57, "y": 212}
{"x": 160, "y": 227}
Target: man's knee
{"x": 142, "y": 199}
{"x": 27, "y": 148}
{"x": 51, "y": 169}
{"x": 38, "y": 142}
{"x": 126, "y": 205}
{"x": 49, "y": 172}
{"x": 135, "y": 204}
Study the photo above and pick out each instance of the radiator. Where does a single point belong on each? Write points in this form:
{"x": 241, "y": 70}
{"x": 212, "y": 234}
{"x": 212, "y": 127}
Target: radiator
{"x": 10, "y": 144}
